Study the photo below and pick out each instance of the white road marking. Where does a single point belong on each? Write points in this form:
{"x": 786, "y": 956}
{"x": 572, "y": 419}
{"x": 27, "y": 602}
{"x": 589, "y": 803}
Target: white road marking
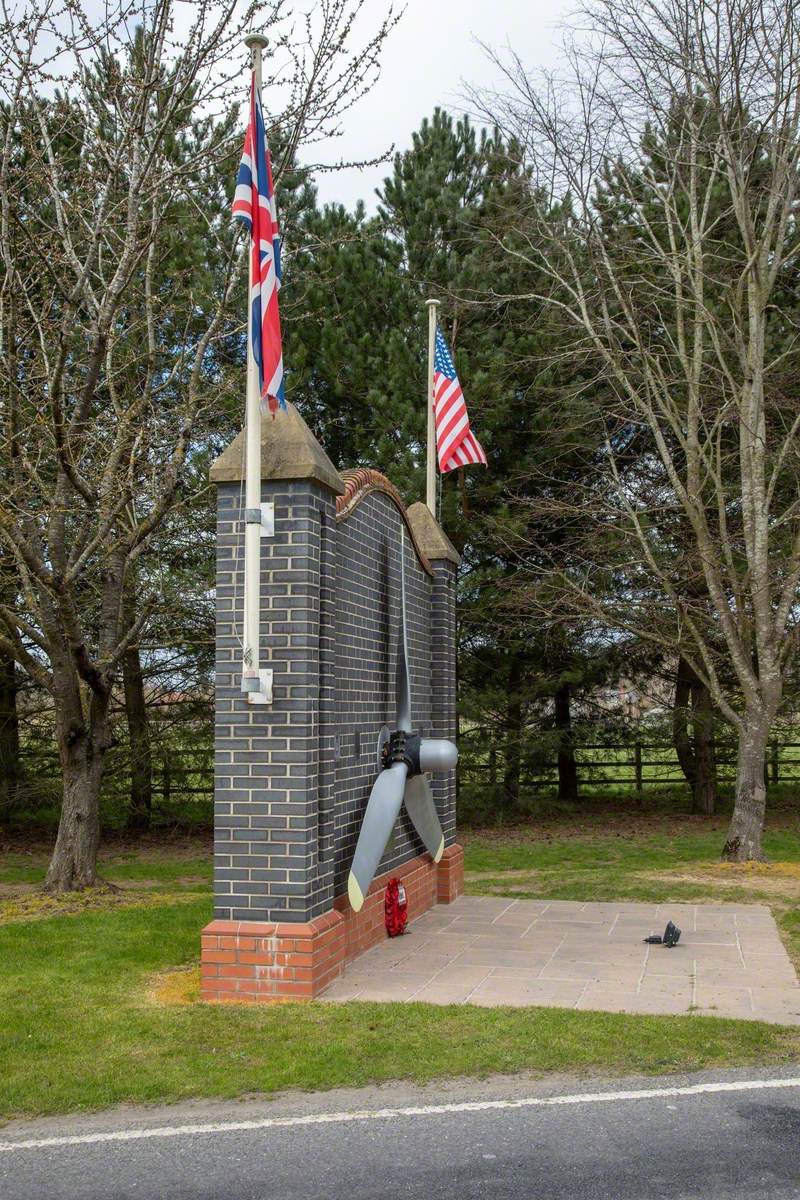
{"x": 388, "y": 1114}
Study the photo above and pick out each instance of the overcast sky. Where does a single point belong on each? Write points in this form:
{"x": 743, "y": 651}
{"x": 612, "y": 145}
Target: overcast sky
{"x": 427, "y": 57}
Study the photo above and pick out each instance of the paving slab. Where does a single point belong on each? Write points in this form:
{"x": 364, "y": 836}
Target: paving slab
{"x": 492, "y": 951}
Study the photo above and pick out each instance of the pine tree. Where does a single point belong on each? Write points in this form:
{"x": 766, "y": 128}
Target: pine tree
{"x": 449, "y": 204}
{"x": 352, "y": 344}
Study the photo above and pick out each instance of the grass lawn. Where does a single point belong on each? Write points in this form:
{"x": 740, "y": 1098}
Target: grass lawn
{"x": 86, "y": 1019}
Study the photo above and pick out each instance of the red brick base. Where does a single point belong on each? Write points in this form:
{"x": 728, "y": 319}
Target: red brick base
{"x": 450, "y": 879}
{"x": 254, "y": 961}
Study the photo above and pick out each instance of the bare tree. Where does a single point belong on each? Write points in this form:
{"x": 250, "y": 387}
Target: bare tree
{"x": 669, "y": 157}
{"x": 118, "y": 145}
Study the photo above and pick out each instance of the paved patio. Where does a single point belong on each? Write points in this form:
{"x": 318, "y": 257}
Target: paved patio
{"x": 730, "y": 961}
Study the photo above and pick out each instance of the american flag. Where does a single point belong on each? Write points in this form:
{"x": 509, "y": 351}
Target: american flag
{"x": 456, "y": 444}
{"x": 254, "y": 203}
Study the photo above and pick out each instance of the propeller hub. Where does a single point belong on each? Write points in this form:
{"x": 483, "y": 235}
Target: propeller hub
{"x": 403, "y": 747}
{"x": 419, "y": 754}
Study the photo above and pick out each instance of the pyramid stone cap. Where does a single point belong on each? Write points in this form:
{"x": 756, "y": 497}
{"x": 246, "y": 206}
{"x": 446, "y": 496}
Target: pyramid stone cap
{"x": 289, "y": 450}
{"x": 431, "y": 538}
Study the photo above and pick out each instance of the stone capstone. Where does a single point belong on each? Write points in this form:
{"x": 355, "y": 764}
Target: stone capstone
{"x": 289, "y": 450}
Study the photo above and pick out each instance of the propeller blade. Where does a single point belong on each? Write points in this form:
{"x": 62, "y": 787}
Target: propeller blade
{"x": 402, "y": 682}
{"x": 382, "y": 809}
{"x": 422, "y": 810}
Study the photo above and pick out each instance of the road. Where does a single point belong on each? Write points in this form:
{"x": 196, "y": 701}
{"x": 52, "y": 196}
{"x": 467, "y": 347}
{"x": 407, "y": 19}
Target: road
{"x": 723, "y": 1134}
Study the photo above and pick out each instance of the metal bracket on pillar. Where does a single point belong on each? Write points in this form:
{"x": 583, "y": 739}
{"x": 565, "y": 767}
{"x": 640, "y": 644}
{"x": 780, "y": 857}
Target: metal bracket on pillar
{"x": 264, "y": 516}
{"x": 257, "y": 685}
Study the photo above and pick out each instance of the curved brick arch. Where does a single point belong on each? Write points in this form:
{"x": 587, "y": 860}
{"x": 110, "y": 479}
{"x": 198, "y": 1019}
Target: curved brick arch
{"x": 359, "y": 484}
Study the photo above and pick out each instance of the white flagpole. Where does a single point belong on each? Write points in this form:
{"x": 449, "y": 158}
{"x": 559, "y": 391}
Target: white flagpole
{"x": 430, "y": 490}
{"x": 252, "y": 530}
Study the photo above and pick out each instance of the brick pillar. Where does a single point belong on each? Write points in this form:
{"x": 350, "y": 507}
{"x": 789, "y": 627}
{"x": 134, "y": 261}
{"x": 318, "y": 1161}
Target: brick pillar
{"x": 274, "y": 933}
{"x": 444, "y": 560}
{"x": 281, "y": 810}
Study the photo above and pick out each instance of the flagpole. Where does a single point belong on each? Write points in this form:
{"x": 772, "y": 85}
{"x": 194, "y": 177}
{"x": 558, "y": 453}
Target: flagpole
{"x": 252, "y": 530}
{"x": 430, "y": 490}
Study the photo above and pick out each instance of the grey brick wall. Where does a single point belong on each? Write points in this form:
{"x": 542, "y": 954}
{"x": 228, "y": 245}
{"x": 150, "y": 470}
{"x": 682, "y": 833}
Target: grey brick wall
{"x": 292, "y": 779}
{"x": 443, "y": 685}
{"x": 367, "y": 633}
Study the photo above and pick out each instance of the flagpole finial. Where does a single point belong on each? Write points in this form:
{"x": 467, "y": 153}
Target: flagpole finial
{"x": 256, "y": 43}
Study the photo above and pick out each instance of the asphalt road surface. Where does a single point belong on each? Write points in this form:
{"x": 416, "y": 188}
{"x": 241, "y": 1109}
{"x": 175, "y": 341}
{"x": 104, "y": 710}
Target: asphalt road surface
{"x": 708, "y": 1136}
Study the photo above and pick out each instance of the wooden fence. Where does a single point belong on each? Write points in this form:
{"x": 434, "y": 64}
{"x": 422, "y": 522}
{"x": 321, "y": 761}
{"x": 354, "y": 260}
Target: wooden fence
{"x": 619, "y": 768}
{"x": 183, "y": 778}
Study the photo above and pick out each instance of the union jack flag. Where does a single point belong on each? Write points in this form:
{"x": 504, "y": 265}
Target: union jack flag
{"x": 254, "y": 203}
{"x": 456, "y": 444}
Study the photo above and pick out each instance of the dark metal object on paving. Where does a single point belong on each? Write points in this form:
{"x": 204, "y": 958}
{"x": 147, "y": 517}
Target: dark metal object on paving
{"x": 671, "y": 937}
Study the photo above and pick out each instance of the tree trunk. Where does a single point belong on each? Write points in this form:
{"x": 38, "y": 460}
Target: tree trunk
{"x": 705, "y": 756}
{"x": 695, "y": 750}
{"x": 567, "y": 766}
{"x": 747, "y": 823}
{"x": 680, "y": 722}
{"x": 139, "y": 739}
{"x": 9, "y": 732}
{"x": 82, "y": 745}
{"x": 511, "y": 776}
